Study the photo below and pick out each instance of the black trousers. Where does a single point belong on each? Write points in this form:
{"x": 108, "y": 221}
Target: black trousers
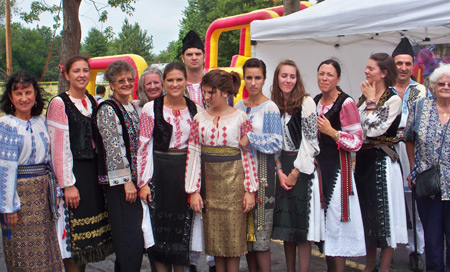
{"x": 125, "y": 219}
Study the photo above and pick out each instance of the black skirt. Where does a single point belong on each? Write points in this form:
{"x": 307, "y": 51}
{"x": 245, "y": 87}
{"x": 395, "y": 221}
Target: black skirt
{"x": 169, "y": 210}
{"x": 292, "y": 208}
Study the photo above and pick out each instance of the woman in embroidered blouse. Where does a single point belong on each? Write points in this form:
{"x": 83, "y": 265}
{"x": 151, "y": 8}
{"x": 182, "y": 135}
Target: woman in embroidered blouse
{"x": 298, "y": 217}
{"x": 75, "y": 163}
{"x": 426, "y": 130}
{"x": 150, "y": 87}
{"x": 28, "y": 195}
{"x": 265, "y": 141}
{"x": 340, "y": 133}
{"x": 377, "y": 173}
{"x": 118, "y": 127}
{"x": 165, "y": 127}
{"x": 225, "y": 175}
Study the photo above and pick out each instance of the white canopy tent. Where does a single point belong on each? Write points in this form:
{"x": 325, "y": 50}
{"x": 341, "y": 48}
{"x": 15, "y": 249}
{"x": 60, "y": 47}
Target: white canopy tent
{"x": 348, "y": 30}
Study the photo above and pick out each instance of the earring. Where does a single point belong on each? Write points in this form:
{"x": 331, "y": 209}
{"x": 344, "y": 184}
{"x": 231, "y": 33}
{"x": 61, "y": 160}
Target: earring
{"x": 13, "y": 109}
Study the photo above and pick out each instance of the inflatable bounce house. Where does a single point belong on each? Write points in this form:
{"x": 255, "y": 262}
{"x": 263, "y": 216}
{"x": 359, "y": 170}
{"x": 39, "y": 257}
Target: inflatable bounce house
{"x": 100, "y": 64}
{"x": 238, "y": 22}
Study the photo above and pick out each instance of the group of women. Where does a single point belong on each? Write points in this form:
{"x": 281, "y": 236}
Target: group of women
{"x": 165, "y": 176}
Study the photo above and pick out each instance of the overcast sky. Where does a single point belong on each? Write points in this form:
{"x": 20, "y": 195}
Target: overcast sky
{"x": 161, "y": 18}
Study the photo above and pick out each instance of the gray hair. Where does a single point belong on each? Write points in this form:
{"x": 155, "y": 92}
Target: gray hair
{"x": 442, "y": 70}
{"x": 116, "y": 68}
{"x": 143, "y": 98}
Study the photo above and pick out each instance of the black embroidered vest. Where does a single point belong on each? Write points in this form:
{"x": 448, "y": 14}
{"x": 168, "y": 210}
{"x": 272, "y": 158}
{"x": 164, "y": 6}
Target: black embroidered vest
{"x": 102, "y": 167}
{"x": 162, "y": 132}
{"x": 328, "y": 157}
{"x": 333, "y": 115}
{"x": 295, "y": 128}
{"x": 80, "y": 129}
{"x": 389, "y": 136}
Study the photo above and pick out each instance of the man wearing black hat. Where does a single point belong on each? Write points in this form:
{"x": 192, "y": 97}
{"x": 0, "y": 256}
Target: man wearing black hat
{"x": 193, "y": 56}
{"x": 409, "y": 90}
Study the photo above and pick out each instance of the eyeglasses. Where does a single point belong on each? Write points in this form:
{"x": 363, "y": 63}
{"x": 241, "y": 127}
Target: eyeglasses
{"x": 122, "y": 81}
{"x": 442, "y": 84}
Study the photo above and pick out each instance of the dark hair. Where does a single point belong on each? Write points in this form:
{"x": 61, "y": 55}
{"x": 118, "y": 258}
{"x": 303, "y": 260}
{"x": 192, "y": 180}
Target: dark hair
{"x": 72, "y": 60}
{"x": 175, "y": 65}
{"x": 228, "y": 82}
{"x": 386, "y": 63}
{"x": 335, "y": 64}
{"x": 255, "y": 63}
{"x": 20, "y": 80}
{"x": 100, "y": 89}
{"x": 117, "y": 67}
{"x": 297, "y": 95}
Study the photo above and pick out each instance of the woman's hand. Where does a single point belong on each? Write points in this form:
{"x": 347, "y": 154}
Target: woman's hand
{"x": 408, "y": 178}
{"x": 325, "y": 127}
{"x": 196, "y": 202}
{"x": 12, "y": 219}
{"x": 368, "y": 90}
{"x": 244, "y": 143}
{"x": 145, "y": 194}
{"x": 249, "y": 202}
{"x": 282, "y": 177}
{"x": 72, "y": 197}
{"x": 292, "y": 178}
{"x": 130, "y": 192}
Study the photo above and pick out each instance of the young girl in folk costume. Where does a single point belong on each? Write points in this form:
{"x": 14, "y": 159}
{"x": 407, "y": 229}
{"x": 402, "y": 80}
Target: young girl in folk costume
{"x": 378, "y": 175}
{"x": 83, "y": 212}
{"x": 298, "y": 217}
{"x": 165, "y": 127}
{"x": 265, "y": 141}
{"x": 226, "y": 175}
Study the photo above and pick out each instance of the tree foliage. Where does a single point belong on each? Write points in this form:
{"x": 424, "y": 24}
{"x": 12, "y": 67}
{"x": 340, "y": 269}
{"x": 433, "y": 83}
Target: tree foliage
{"x": 30, "y": 48}
{"x": 199, "y": 14}
{"x": 133, "y": 40}
{"x": 95, "y": 43}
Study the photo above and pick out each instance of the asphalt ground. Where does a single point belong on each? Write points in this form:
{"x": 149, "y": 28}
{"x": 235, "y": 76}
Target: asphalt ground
{"x": 400, "y": 262}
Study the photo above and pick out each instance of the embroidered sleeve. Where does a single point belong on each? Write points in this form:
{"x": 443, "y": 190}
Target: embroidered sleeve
{"x": 58, "y": 130}
{"x": 271, "y": 140}
{"x": 145, "y": 152}
{"x": 248, "y": 161}
{"x": 379, "y": 120}
{"x": 309, "y": 147}
{"x": 10, "y": 143}
{"x": 193, "y": 162}
{"x": 350, "y": 138}
{"x": 110, "y": 130}
{"x": 409, "y": 133}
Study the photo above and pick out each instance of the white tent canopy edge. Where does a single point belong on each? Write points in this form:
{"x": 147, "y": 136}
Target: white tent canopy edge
{"x": 348, "y": 30}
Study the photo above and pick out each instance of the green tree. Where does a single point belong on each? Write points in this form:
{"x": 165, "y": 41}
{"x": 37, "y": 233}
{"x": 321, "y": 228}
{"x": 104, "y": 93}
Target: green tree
{"x": 199, "y": 14}
{"x": 71, "y": 33}
{"x": 133, "y": 40}
{"x": 30, "y": 48}
{"x": 167, "y": 55}
{"x": 95, "y": 43}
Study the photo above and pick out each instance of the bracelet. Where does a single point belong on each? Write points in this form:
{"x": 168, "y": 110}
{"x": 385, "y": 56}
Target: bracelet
{"x": 371, "y": 103}
{"x": 336, "y": 136}
{"x": 278, "y": 168}
{"x": 373, "y": 99}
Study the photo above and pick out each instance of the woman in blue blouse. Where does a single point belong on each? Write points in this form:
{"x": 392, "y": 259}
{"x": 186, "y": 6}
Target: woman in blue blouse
{"x": 264, "y": 142}
{"x": 426, "y": 130}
